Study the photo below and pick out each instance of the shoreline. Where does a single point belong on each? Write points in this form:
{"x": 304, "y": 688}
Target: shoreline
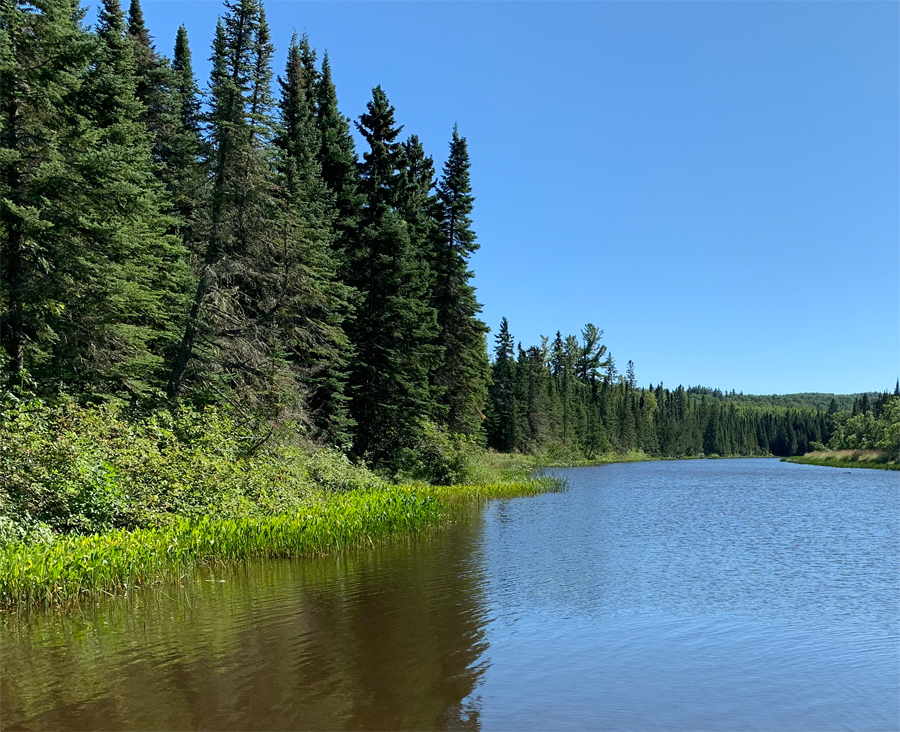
{"x": 73, "y": 568}
{"x": 832, "y": 463}
{"x": 858, "y": 458}
{"x": 647, "y": 459}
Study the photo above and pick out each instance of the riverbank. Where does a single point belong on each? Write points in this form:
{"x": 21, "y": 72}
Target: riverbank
{"x": 873, "y": 459}
{"x": 70, "y": 568}
{"x": 94, "y": 499}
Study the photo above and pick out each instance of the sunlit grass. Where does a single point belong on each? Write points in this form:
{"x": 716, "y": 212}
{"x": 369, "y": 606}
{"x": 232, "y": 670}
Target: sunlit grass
{"x": 848, "y": 459}
{"x": 71, "y": 567}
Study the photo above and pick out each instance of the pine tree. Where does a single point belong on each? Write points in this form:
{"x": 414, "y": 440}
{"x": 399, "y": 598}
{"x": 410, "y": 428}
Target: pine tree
{"x": 464, "y": 371}
{"x": 394, "y": 328}
{"x": 592, "y": 352}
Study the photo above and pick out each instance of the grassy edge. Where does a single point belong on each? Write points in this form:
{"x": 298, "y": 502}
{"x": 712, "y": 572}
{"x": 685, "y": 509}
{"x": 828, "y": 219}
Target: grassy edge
{"x": 73, "y": 567}
{"x": 824, "y": 462}
{"x": 636, "y": 457}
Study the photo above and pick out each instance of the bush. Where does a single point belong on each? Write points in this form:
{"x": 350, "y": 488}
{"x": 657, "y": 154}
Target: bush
{"x": 439, "y": 458}
{"x": 83, "y": 470}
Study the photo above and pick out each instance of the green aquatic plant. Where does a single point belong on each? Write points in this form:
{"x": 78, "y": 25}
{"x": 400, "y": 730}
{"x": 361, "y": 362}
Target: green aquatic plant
{"x": 72, "y": 567}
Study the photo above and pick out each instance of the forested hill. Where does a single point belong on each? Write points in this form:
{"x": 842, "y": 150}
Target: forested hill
{"x": 167, "y": 246}
{"x": 804, "y": 400}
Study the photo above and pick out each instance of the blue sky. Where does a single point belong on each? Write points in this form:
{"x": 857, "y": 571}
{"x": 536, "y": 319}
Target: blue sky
{"x": 716, "y": 185}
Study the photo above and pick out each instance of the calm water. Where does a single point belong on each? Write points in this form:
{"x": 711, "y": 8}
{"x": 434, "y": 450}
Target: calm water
{"x": 697, "y": 595}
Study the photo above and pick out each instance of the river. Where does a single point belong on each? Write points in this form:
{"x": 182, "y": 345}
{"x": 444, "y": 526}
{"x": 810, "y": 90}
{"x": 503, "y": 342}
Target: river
{"x": 713, "y": 595}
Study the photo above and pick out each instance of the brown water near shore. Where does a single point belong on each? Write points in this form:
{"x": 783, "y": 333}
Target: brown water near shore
{"x": 718, "y": 594}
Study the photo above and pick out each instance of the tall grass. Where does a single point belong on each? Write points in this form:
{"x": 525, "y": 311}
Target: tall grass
{"x": 878, "y": 459}
{"x": 72, "y": 567}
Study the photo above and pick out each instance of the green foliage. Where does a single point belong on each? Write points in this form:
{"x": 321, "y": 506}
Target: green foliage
{"x": 395, "y": 327}
{"x": 73, "y": 469}
{"x": 92, "y": 282}
{"x": 71, "y": 568}
{"x": 874, "y": 459}
{"x": 316, "y": 302}
{"x": 441, "y": 458}
{"x": 240, "y": 256}
{"x": 565, "y": 399}
{"x": 463, "y": 372}
{"x": 868, "y": 429}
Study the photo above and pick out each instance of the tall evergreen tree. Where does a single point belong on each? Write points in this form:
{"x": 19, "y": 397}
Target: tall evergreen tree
{"x": 236, "y": 340}
{"x": 131, "y": 273}
{"x": 337, "y": 156}
{"x": 183, "y": 171}
{"x": 394, "y": 328}
{"x": 464, "y": 372}
{"x": 44, "y": 52}
{"x": 153, "y": 88}
{"x": 503, "y": 421}
{"x": 319, "y": 306}
{"x": 85, "y": 223}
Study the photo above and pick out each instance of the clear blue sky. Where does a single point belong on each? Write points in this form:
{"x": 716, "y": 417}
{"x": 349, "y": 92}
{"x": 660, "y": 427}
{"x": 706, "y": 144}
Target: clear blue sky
{"x": 716, "y": 185}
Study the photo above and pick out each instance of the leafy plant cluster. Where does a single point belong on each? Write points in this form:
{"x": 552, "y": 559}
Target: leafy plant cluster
{"x": 73, "y": 567}
{"x": 73, "y": 469}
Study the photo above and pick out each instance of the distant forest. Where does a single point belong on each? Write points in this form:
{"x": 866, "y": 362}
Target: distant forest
{"x": 568, "y": 393}
{"x": 168, "y": 245}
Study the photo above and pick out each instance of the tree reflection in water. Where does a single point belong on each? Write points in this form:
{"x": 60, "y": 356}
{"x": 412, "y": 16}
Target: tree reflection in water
{"x": 385, "y": 639}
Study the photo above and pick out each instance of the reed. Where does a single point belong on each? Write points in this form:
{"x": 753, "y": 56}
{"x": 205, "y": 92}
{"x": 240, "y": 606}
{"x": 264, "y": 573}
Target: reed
{"x": 72, "y": 567}
{"x": 876, "y": 459}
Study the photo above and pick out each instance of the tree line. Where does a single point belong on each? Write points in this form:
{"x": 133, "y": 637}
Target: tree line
{"x": 163, "y": 244}
{"x": 567, "y": 395}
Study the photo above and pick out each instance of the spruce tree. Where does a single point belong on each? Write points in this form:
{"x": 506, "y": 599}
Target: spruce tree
{"x": 132, "y": 274}
{"x": 394, "y": 328}
{"x": 153, "y": 87}
{"x": 503, "y": 425}
{"x": 320, "y": 349}
{"x": 419, "y": 209}
{"x": 236, "y": 341}
{"x": 337, "y": 156}
{"x": 42, "y": 47}
{"x": 183, "y": 171}
{"x": 86, "y": 229}
{"x": 464, "y": 372}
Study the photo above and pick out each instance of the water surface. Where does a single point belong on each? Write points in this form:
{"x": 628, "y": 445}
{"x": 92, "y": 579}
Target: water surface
{"x": 715, "y": 595}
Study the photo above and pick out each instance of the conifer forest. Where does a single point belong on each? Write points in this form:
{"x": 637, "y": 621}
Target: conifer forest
{"x": 170, "y": 242}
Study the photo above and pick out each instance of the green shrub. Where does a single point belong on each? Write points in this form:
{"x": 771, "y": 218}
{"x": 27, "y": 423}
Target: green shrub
{"x": 68, "y": 469}
{"x": 439, "y": 458}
